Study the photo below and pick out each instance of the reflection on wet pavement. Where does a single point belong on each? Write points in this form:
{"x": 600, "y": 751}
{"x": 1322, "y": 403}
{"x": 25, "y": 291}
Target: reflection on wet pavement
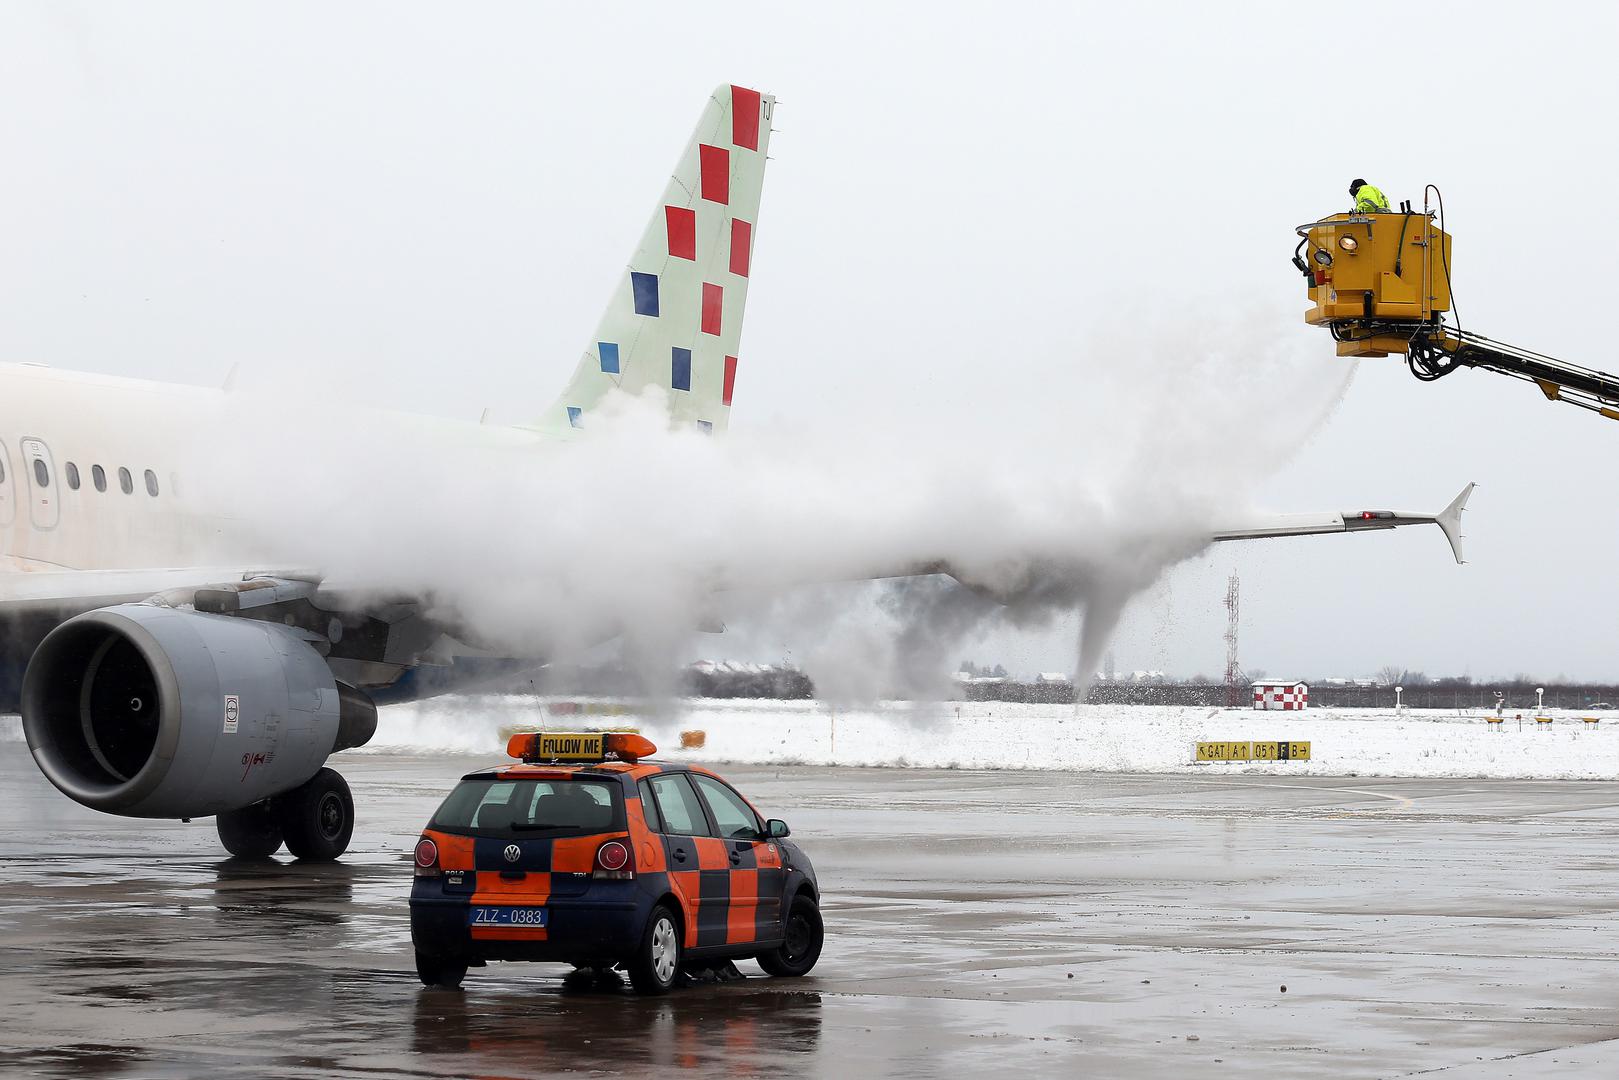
{"x": 977, "y": 922}
{"x": 724, "y": 1032}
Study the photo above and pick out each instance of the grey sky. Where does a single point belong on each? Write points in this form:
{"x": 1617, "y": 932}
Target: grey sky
{"x": 971, "y": 213}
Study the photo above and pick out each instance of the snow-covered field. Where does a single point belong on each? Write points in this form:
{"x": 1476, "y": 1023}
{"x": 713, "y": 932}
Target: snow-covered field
{"x": 996, "y": 735}
{"x": 1001, "y": 735}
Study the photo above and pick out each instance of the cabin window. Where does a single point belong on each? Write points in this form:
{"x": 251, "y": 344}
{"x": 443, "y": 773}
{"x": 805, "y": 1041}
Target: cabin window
{"x": 42, "y": 475}
{"x": 98, "y": 476}
{"x": 126, "y": 481}
{"x": 72, "y": 476}
{"x": 151, "y": 483}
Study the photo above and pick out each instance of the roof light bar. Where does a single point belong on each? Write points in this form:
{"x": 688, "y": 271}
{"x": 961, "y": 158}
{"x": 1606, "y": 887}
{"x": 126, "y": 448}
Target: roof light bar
{"x": 626, "y": 746}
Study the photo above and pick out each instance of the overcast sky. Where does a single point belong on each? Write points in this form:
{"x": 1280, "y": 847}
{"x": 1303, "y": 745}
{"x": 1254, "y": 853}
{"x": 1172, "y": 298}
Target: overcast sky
{"x": 970, "y": 212}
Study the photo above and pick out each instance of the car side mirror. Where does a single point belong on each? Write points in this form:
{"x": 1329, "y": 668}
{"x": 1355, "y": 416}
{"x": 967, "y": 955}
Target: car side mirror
{"x": 776, "y": 828}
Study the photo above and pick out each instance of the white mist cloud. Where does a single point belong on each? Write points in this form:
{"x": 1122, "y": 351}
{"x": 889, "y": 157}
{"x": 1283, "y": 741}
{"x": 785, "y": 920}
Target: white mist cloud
{"x": 1074, "y": 499}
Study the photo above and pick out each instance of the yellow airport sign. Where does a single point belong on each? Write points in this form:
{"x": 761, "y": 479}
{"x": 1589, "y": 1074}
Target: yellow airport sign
{"x": 1253, "y": 751}
{"x": 508, "y": 730}
{"x": 586, "y": 708}
{"x": 1224, "y": 751}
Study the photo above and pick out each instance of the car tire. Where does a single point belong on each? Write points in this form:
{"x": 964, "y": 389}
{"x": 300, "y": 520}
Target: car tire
{"x": 803, "y": 934}
{"x": 253, "y": 832}
{"x": 440, "y": 971}
{"x": 317, "y": 817}
{"x": 657, "y": 959}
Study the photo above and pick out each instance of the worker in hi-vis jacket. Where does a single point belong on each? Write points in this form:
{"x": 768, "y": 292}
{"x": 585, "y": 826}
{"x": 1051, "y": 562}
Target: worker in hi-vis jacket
{"x": 1368, "y": 200}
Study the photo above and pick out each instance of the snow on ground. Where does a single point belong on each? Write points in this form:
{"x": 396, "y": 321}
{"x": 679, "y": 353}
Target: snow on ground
{"x": 1000, "y": 735}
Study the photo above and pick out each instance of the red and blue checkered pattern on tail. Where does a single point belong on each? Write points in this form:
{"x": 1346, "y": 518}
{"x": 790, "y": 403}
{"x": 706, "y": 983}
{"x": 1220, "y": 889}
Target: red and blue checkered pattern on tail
{"x": 675, "y": 320}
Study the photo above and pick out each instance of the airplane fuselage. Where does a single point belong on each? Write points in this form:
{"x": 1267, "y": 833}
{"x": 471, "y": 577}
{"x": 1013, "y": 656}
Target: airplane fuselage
{"x": 102, "y": 475}
{"x": 93, "y": 476}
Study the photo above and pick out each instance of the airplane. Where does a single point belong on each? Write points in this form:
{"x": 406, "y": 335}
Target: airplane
{"x": 167, "y": 667}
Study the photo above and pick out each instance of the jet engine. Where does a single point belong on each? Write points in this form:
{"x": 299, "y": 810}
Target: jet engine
{"x": 151, "y": 711}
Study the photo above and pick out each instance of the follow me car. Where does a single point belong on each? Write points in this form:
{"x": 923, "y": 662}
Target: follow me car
{"x": 586, "y": 854}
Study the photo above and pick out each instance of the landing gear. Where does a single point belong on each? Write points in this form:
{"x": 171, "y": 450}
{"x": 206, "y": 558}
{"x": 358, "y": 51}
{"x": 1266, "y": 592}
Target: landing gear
{"x": 253, "y": 832}
{"x": 317, "y": 817}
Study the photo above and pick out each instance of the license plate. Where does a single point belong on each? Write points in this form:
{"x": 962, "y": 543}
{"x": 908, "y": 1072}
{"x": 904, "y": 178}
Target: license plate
{"x": 506, "y": 916}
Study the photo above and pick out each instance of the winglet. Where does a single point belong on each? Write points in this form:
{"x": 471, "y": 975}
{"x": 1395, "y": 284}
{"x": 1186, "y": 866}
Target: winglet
{"x": 1450, "y": 520}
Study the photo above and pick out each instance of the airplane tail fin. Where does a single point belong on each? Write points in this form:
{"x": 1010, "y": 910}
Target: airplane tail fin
{"x": 675, "y": 319}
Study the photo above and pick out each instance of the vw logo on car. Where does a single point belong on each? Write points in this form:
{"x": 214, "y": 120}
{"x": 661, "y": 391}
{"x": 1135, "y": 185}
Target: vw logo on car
{"x": 513, "y": 853}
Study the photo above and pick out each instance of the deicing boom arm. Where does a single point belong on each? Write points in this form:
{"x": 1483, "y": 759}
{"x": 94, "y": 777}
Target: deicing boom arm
{"x": 1433, "y": 355}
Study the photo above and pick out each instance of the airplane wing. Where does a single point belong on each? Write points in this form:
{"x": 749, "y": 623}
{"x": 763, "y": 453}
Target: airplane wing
{"x": 72, "y": 591}
{"x": 1269, "y": 525}
{"x": 1255, "y": 526}
{"x": 221, "y": 590}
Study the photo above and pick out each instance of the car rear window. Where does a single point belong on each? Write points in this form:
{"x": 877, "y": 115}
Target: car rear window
{"x": 486, "y": 806}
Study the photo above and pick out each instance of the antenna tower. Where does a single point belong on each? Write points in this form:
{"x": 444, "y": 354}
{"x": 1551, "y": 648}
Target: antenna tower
{"x": 1233, "y": 673}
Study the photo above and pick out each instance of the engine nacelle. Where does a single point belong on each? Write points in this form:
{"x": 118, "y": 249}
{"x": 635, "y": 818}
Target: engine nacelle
{"x": 150, "y": 711}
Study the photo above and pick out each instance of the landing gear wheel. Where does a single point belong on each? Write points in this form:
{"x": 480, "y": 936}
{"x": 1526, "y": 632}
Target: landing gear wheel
{"x": 440, "y": 971}
{"x": 802, "y": 946}
{"x": 657, "y": 960}
{"x": 253, "y": 832}
{"x": 317, "y": 817}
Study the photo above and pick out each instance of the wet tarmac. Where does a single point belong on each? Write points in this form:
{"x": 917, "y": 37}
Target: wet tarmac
{"x": 1048, "y": 924}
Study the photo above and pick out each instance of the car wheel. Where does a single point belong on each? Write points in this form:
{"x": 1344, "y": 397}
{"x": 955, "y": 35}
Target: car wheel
{"x": 317, "y": 817}
{"x": 440, "y": 971}
{"x": 251, "y": 832}
{"x": 801, "y": 947}
{"x": 657, "y": 960}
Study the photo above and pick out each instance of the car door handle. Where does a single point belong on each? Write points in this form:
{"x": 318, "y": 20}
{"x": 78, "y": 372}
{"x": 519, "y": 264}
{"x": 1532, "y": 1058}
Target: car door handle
{"x": 736, "y": 859}
{"x": 680, "y": 854}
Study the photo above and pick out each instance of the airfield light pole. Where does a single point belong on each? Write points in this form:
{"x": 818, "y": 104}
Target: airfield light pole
{"x": 1540, "y": 696}
{"x": 1398, "y": 690}
{"x": 1233, "y": 674}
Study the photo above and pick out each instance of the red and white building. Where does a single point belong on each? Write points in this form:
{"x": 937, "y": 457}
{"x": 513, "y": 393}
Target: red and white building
{"x": 1281, "y": 695}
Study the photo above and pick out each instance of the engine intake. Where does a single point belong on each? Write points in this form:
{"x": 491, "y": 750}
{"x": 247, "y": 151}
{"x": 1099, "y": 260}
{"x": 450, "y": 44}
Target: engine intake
{"x": 149, "y": 711}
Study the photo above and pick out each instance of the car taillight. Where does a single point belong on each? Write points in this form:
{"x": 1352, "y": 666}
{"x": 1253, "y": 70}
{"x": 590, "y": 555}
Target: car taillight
{"x": 613, "y": 861}
{"x": 426, "y": 858}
